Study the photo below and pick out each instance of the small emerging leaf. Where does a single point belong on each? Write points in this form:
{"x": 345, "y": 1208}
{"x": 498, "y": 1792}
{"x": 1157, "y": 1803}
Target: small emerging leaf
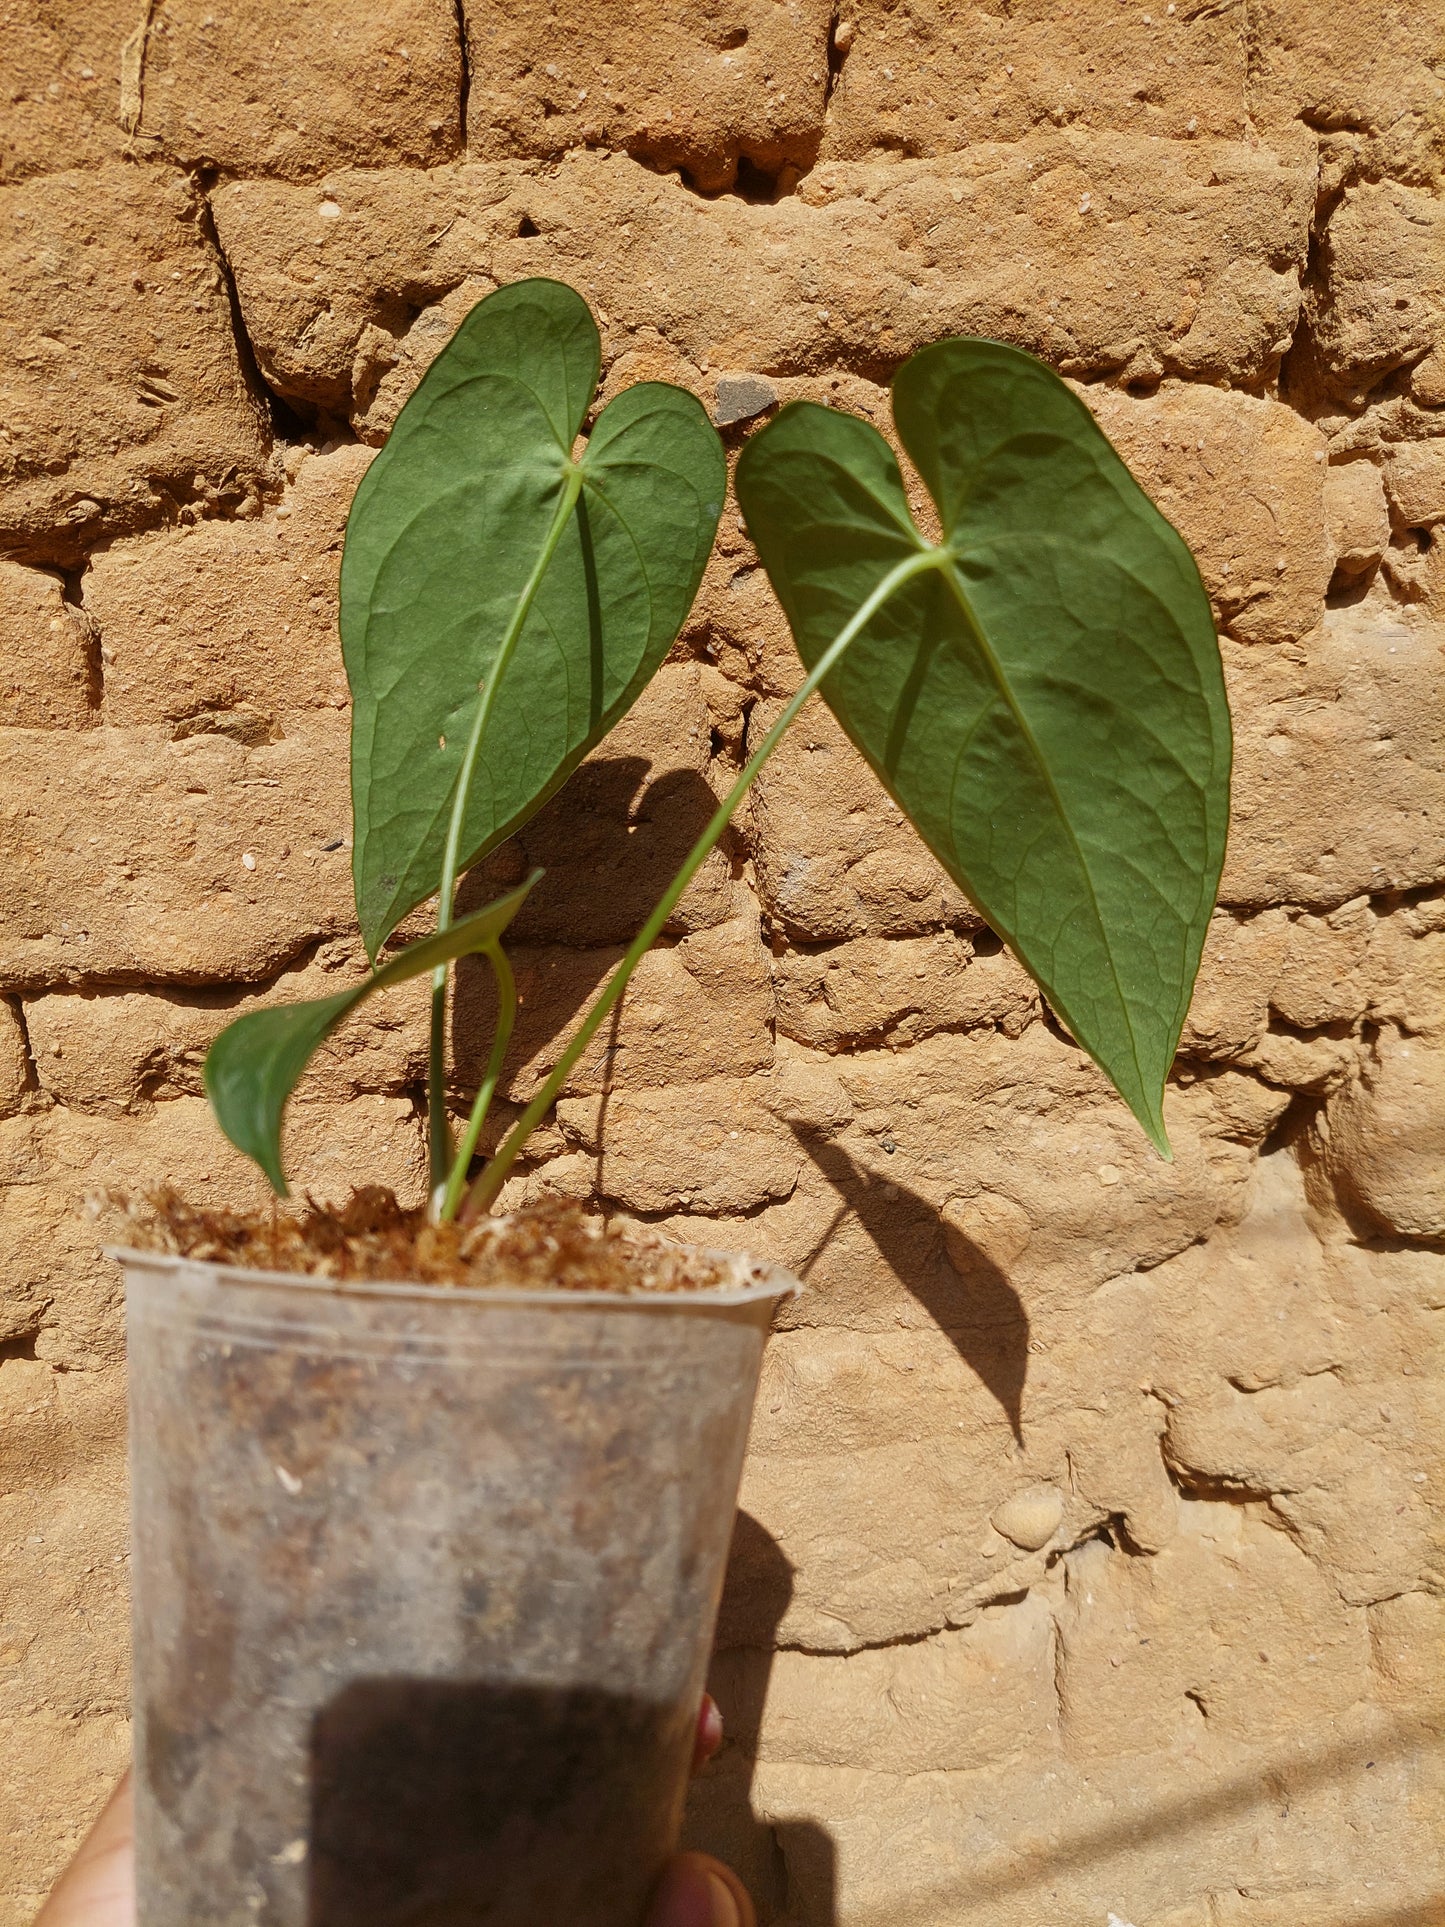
{"x": 252, "y": 1068}
{"x": 1047, "y": 705}
{"x": 444, "y": 534}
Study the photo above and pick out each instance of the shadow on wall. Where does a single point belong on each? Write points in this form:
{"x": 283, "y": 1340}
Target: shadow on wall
{"x": 790, "y": 1866}
{"x": 971, "y": 1301}
{"x": 609, "y": 823}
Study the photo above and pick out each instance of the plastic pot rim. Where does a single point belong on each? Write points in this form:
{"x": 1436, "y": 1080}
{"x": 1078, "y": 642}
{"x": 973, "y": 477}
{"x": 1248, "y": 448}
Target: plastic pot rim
{"x": 766, "y": 1281}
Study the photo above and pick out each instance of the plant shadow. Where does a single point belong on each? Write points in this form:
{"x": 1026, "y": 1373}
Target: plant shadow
{"x": 608, "y": 842}
{"x": 609, "y": 824}
{"x": 964, "y": 1291}
{"x": 790, "y": 1867}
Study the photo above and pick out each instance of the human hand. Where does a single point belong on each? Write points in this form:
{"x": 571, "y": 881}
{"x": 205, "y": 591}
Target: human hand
{"x": 696, "y": 1890}
{"x": 98, "y": 1887}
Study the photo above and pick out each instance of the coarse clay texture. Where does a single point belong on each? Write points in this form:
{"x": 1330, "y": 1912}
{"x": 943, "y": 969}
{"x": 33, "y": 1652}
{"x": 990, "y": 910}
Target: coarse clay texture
{"x": 1092, "y": 1558}
{"x": 548, "y": 1246}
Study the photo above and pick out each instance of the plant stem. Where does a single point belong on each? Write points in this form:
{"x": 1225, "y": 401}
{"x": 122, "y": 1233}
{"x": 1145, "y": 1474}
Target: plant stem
{"x": 484, "y": 1192}
{"x": 439, "y": 1136}
{"x": 506, "y": 1017}
{"x": 438, "y": 1130}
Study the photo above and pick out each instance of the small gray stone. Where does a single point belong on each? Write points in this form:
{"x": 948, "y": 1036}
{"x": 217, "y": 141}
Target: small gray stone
{"x": 741, "y": 396}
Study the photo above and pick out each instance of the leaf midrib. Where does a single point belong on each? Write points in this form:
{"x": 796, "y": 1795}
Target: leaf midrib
{"x": 591, "y": 483}
{"x": 906, "y": 525}
{"x": 1005, "y": 689}
{"x": 374, "y": 699}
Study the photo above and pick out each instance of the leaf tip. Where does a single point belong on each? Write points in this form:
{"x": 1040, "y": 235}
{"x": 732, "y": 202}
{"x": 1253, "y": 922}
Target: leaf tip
{"x": 1158, "y": 1135}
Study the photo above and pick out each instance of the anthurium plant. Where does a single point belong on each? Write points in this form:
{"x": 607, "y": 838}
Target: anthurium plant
{"x": 1039, "y": 689}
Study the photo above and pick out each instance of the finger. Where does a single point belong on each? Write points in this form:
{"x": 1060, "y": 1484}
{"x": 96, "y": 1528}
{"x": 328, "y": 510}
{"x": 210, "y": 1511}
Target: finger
{"x": 698, "y": 1891}
{"x": 98, "y": 1887}
{"x": 709, "y": 1732}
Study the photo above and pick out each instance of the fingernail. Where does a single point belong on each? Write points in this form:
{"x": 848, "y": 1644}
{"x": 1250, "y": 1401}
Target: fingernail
{"x": 709, "y": 1729}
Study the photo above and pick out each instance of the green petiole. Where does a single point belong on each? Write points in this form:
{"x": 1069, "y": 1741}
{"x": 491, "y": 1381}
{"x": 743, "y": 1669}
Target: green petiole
{"x": 488, "y": 1185}
{"x": 456, "y": 1183}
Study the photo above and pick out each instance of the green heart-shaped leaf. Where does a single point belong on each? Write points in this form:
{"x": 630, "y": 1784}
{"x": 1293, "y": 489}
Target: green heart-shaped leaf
{"x": 1047, "y": 704}
{"x": 445, "y": 533}
{"x": 252, "y": 1068}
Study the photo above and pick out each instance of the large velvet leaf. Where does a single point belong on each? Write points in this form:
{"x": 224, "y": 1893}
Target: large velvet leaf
{"x": 1047, "y": 704}
{"x": 444, "y": 536}
{"x": 252, "y": 1068}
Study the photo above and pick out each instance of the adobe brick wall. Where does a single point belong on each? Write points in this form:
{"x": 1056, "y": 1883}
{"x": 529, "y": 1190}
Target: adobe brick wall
{"x": 1091, "y": 1564}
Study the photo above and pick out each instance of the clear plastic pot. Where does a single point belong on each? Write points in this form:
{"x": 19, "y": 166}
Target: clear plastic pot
{"x": 425, "y": 1582}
